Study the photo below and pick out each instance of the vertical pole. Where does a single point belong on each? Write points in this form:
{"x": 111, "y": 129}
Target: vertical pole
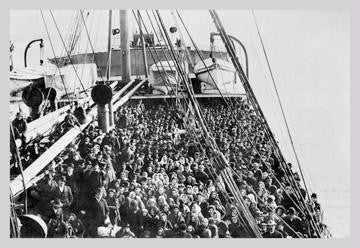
{"x": 125, "y": 46}
{"x": 103, "y": 117}
{"x": 18, "y": 160}
{"x": 143, "y": 47}
{"x": 108, "y": 71}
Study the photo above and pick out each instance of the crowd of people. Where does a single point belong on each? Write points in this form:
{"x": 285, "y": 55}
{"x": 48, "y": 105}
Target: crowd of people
{"x": 30, "y": 150}
{"x": 147, "y": 178}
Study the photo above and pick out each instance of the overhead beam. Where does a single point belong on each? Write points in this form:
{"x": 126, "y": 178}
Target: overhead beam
{"x": 128, "y": 95}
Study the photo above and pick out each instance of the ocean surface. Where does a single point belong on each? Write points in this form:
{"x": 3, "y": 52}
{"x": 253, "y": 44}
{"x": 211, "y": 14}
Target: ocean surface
{"x": 310, "y": 57}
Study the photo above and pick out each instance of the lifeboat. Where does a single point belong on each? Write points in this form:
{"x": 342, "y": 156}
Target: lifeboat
{"x": 163, "y": 70}
{"x": 217, "y": 72}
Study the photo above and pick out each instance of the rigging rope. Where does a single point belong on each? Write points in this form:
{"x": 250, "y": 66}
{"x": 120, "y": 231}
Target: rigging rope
{"x": 221, "y": 162}
{"x": 55, "y": 57}
{"x": 67, "y": 52}
{"x": 248, "y": 89}
{"x": 13, "y": 217}
{"x": 18, "y": 158}
{"x": 236, "y": 116}
{"x": 92, "y": 48}
{"x": 202, "y": 59}
{"x": 280, "y": 103}
{"x": 283, "y": 114}
{"x": 258, "y": 110}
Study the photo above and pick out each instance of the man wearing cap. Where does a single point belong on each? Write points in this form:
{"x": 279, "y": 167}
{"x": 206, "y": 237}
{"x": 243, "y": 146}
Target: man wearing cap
{"x": 271, "y": 232}
{"x": 79, "y": 113}
{"x": 293, "y": 221}
{"x": 263, "y": 227}
{"x": 113, "y": 204}
{"x": 280, "y": 229}
{"x": 20, "y": 127}
{"x": 46, "y": 190}
{"x": 202, "y": 202}
{"x": 112, "y": 141}
{"x": 222, "y": 229}
{"x": 175, "y": 217}
{"x": 210, "y": 211}
{"x": 182, "y": 232}
{"x": 201, "y": 175}
{"x": 97, "y": 212}
{"x": 72, "y": 182}
{"x": 56, "y": 226}
{"x": 64, "y": 193}
{"x": 70, "y": 121}
{"x": 54, "y": 211}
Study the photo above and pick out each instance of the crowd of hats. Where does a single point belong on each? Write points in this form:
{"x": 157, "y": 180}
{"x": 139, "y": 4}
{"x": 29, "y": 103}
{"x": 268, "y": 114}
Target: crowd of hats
{"x": 157, "y": 182}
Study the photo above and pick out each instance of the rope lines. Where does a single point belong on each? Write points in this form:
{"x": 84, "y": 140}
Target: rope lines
{"x": 53, "y": 51}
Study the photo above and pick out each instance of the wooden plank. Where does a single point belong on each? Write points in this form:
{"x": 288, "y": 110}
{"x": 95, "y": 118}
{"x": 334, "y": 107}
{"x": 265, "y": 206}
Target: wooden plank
{"x": 16, "y": 185}
{"x": 121, "y": 91}
{"x": 44, "y": 124}
{"x": 127, "y": 96}
{"x": 40, "y": 163}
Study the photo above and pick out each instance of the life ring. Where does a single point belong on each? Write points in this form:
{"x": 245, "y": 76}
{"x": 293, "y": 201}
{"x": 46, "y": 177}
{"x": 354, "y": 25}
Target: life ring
{"x": 32, "y": 226}
{"x": 32, "y": 96}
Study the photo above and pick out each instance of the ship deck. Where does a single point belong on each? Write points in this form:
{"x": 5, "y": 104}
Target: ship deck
{"x": 151, "y": 96}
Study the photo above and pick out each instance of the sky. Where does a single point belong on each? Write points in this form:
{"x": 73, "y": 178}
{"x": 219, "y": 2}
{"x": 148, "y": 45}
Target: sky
{"x": 309, "y": 53}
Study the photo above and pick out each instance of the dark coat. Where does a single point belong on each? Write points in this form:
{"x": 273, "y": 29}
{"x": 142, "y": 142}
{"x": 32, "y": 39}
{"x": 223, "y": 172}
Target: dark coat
{"x": 66, "y": 196}
{"x": 274, "y": 235}
{"x": 98, "y": 211}
{"x": 295, "y": 224}
{"x": 20, "y": 126}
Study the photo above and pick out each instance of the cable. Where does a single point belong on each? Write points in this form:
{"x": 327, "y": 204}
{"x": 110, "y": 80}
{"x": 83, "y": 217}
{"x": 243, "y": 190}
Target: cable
{"x": 18, "y": 158}
{"x": 226, "y": 102}
{"x": 279, "y": 101}
{"x": 56, "y": 59}
{"x": 62, "y": 40}
{"x": 212, "y": 144}
{"x": 282, "y": 109}
{"x": 252, "y": 97}
{"x": 92, "y": 48}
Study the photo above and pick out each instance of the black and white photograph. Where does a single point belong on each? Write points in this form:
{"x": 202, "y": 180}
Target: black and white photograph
{"x": 179, "y": 123}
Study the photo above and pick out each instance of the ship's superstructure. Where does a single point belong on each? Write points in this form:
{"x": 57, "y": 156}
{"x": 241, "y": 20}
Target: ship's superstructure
{"x": 125, "y": 138}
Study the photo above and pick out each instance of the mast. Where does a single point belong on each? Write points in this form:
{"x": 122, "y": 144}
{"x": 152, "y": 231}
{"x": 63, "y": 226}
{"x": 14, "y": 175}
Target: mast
{"x": 125, "y": 46}
{"x": 108, "y": 71}
{"x": 142, "y": 40}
